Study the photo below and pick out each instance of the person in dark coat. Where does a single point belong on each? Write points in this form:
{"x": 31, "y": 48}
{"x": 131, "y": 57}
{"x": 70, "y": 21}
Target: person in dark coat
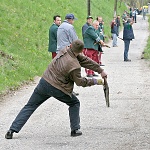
{"x": 87, "y": 24}
{"x": 114, "y": 32}
{"x": 101, "y": 27}
{"x": 100, "y": 32}
{"x": 118, "y": 23}
{"x": 128, "y": 35}
{"x": 53, "y": 35}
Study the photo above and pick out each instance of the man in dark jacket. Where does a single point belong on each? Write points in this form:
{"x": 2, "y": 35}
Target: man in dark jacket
{"x": 87, "y": 24}
{"x": 128, "y": 35}
{"x": 53, "y": 35}
{"x": 118, "y": 23}
{"x": 101, "y": 27}
{"x": 114, "y": 32}
{"x": 100, "y": 32}
{"x": 58, "y": 82}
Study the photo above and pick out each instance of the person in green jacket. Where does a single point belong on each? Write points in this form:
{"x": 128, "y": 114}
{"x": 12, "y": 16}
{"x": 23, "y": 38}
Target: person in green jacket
{"x": 91, "y": 44}
{"x": 53, "y": 35}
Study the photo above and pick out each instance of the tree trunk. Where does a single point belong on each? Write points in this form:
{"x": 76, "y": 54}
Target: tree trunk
{"x": 88, "y": 8}
{"x": 115, "y": 8}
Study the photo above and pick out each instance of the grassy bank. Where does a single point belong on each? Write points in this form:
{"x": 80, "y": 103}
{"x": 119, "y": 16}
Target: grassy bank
{"x": 147, "y": 49}
{"x": 24, "y": 34}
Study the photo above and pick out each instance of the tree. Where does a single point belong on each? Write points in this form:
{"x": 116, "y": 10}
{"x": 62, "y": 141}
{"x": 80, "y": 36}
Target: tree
{"x": 136, "y": 3}
{"x": 115, "y": 8}
{"x": 88, "y": 7}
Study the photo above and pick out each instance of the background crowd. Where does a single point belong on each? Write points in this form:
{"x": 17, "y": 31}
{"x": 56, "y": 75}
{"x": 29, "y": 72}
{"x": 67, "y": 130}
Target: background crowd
{"x": 93, "y": 34}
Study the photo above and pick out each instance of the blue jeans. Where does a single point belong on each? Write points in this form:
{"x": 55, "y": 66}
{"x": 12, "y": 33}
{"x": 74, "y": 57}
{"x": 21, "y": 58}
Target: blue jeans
{"x": 126, "y": 49}
{"x": 42, "y": 92}
{"x": 114, "y": 36}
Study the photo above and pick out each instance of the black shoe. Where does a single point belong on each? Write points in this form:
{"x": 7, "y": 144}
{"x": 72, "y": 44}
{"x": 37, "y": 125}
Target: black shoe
{"x": 9, "y": 134}
{"x": 95, "y": 75}
{"x": 102, "y": 65}
{"x": 128, "y": 60}
{"x": 89, "y": 75}
{"x": 76, "y": 133}
{"x": 74, "y": 93}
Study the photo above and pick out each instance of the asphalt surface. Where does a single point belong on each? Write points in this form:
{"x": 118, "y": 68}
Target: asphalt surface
{"x": 125, "y": 125}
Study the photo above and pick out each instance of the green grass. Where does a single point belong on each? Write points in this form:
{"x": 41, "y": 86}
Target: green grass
{"x": 147, "y": 49}
{"x": 24, "y": 34}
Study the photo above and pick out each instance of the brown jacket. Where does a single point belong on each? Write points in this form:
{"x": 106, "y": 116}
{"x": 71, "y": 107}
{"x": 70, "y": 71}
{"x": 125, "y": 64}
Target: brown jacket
{"x": 65, "y": 69}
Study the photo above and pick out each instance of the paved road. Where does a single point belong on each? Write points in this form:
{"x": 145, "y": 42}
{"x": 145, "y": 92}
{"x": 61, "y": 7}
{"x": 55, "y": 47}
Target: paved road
{"x": 123, "y": 126}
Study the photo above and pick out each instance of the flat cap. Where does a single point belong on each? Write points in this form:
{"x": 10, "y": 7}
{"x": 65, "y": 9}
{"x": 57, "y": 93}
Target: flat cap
{"x": 88, "y": 17}
{"x": 70, "y": 16}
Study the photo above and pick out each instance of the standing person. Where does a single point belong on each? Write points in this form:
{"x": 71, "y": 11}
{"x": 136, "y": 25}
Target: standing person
{"x": 144, "y": 13}
{"x": 66, "y": 33}
{"x": 128, "y": 35}
{"x": 124, "y": 17}
{"x": 101, "y": 26}
{"x": 130, "y": 12}
{"x": 58, "y": 82}
{"x": 118, "y": 24}
{"x": 114, "y": 32}
{"x": 91, "y": 43}
{"x": 134, "y": 15}
{"x": 53, "y": 35}
{"x": 100, "y": 32}
{"x": 87, "y": 24}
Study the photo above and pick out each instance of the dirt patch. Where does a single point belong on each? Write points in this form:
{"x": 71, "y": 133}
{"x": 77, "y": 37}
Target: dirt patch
{"x": 3, "y": 54}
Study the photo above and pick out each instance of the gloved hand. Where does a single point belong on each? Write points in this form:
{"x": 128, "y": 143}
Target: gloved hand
{"x": 100, "y": 82}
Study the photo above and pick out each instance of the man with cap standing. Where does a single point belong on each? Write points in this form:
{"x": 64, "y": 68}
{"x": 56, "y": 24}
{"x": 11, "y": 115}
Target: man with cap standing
{"x": 84, "y": 28}
{"x": 87, "y": 24}
{"x": 58, "y": 82}
{"x": 66, "y": 34}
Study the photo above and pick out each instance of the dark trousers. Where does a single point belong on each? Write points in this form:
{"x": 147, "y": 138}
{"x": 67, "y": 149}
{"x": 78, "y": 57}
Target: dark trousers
{"x": 126, "y": 49}
{"x": 42, "y": 92}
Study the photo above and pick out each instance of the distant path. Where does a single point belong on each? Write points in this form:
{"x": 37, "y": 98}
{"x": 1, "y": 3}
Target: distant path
{"x": 123, "y": 126}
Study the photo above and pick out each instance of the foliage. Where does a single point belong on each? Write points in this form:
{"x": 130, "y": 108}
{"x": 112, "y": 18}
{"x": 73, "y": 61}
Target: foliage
{"x": 136, "y": 3}
{"x": 147, "y": 49}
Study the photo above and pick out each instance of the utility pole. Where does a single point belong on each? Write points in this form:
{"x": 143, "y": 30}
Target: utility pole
{"x": 88, "y": 7}
{"x": 115, "y": 8}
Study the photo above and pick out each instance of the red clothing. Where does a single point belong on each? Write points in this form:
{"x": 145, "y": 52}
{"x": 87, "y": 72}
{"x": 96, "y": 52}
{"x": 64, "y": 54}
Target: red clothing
{"x": 94, "y": 55}
{"x": 53, "y": 54}
{"x": 99, "y": 57}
